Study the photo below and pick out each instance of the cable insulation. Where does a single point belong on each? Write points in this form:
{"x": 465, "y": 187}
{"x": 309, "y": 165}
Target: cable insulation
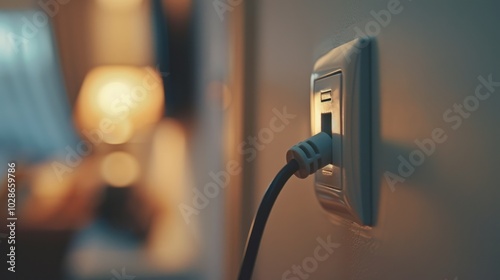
{"x": 259, "y": 223}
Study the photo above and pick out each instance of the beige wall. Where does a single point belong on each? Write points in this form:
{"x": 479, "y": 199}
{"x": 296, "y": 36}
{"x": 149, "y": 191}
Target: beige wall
{"x": 442, "y": 221}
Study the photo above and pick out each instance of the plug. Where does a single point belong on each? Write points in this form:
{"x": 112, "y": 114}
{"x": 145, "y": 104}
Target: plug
{"x": 312, "y": 154}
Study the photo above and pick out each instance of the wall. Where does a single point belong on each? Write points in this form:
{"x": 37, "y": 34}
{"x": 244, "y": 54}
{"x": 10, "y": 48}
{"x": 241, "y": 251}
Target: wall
{"x": 441, "y": 222}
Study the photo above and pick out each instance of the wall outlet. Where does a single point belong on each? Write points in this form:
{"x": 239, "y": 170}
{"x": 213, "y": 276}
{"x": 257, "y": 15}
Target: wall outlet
{"x": 340, "y": 105}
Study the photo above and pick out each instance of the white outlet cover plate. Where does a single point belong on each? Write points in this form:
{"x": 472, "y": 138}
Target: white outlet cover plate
{"x": 344, "y": 188}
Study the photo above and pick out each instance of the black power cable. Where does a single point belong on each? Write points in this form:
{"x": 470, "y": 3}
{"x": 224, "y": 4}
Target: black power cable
{"x": 303, "y": 159}
{"x": 260, "y": 220}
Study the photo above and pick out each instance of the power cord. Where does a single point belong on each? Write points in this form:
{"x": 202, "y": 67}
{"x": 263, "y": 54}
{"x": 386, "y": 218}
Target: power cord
{"x": 303, "y": 159}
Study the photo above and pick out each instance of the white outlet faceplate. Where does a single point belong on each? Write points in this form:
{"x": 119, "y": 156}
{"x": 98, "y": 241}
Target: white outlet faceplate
{"x": 340, "y": 104}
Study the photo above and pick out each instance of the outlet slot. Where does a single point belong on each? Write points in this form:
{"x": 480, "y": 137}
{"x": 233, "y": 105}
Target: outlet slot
{"x": 326, "y": 123}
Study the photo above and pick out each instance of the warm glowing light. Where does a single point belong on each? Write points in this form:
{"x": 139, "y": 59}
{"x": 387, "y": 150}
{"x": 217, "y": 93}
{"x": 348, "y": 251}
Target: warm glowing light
{"x": 110, "y": 93}
{"x": 119, "y": 4}
{"x": 116, "y": 101}
{"x": 122, "y": 132}
{"x": 120, "y": 169}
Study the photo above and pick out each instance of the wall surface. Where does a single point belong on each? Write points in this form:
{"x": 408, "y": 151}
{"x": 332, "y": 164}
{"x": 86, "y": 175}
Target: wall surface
{"x": 441, "y": 222}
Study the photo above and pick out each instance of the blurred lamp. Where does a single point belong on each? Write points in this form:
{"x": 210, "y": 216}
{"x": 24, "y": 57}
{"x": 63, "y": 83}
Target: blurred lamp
{"x": 117, "y": 101}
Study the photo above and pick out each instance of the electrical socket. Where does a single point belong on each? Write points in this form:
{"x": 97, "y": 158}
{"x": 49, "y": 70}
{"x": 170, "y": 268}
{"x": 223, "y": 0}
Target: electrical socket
{"x": 340, "y": 105}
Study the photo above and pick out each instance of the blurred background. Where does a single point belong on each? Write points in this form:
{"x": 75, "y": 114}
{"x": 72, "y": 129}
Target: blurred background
{"x": 115, "y": 112}
{"x": 145, "y": 132}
